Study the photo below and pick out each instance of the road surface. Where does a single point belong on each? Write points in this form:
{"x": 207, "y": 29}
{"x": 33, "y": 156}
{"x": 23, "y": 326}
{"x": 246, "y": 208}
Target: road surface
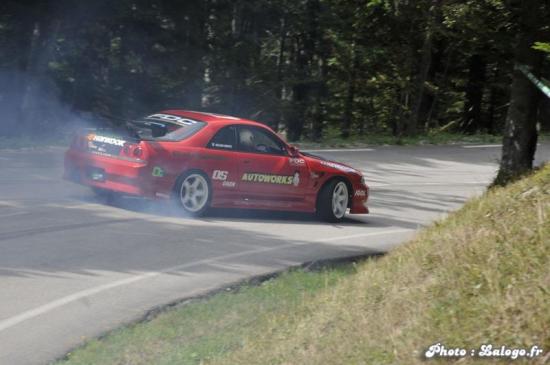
{"x": 72, "y": 267}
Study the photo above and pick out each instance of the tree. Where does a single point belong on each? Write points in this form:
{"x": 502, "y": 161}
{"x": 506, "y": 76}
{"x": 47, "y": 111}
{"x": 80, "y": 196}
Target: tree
{"x": 520, "y": 133}
{"x": 308, "y": 67}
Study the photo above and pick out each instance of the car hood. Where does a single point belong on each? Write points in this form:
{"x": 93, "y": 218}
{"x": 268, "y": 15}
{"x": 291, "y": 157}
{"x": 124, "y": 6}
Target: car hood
{"x": 324, "y": 164}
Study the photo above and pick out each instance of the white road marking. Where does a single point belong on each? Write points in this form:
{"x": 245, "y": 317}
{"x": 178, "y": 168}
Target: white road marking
{"x": 32, "y": 313}
{"x": 484, "y": 146}
{"x": 13, "y": 214}
{"x": 373, "y": 185}
{"x": 395, "y": 231}
{"x": 489, "y": 146}
{"x": 343, "y": 150}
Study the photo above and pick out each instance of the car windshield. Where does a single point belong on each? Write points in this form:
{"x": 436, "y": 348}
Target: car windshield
{"x": 165, "y": 127}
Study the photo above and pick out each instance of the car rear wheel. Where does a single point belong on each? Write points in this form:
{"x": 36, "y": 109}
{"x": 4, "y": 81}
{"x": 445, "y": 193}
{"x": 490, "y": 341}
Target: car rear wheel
{"x": 105, "y": 195}
{"x": 332, "y": 202}
{"x": 194, "y": 193}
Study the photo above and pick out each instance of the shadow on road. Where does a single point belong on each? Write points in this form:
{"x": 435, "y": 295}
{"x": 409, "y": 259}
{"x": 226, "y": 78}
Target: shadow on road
{"x": 137, "y": 245}
{"x": 215, "y": 215}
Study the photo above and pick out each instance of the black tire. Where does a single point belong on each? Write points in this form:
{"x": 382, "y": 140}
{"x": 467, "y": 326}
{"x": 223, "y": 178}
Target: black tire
{"x": 104, "y": 195}
{"x": 326, "y": 209}
{"x": 193, "y": 205}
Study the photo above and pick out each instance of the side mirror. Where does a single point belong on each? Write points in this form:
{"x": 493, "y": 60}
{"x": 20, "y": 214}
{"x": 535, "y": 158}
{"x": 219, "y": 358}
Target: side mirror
{"x": 294, "y": 151}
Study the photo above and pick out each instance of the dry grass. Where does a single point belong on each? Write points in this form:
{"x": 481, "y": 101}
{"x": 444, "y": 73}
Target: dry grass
{"x": 480, "y": 276}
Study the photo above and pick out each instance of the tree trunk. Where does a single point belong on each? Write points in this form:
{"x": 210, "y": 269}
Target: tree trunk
{"x": 319, "y": 116}
{"x": 432, "y": 118}
{"x": 279, "y": 115}
{"x": 305, "y": 54}
{"x": 350, "y": 93}
{"x": 472, "y": 118}
{"x": 419, "y": 102}
{"x": 412, "y": 126}
{"x": 295, "y": 123}
{"x": 520, "y": 132}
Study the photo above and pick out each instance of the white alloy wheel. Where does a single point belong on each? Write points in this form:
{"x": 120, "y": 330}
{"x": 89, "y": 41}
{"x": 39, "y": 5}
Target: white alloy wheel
{"x": 194, "y": 193}
{"x": 340, "y": 198}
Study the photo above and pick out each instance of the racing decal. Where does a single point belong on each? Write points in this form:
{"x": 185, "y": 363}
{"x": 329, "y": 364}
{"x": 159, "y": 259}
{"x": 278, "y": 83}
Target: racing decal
{"x": 219, "y": 175}
{"x": 296, "y": 161}
{"x": 158, "y": 171}
{"x": 296, "y": 179}
{"x": 221, "y": 145}
{"x": 272, "y": 179}
{"x": 361, "y": 193}
{"x": 229, "y": 184}
{"x": 108, "y": 140}
{"x": 172, "y": 118}
{"x": 335, "y": 165}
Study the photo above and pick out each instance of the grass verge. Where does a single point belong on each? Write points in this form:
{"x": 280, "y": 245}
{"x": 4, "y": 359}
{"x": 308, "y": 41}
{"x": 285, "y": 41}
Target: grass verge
{"x": 480, "y": 276}
{"x": 332, "y": 139}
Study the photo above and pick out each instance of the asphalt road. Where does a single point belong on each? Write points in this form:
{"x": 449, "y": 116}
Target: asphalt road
{"x": 72, "y": 267}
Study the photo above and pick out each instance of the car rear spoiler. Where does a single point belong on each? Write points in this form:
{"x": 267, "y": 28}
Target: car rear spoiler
{"x": 126, "y": 134}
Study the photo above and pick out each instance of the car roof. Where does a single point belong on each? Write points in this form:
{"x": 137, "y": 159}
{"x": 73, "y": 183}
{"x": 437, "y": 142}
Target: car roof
{"x": 210, "y": 117}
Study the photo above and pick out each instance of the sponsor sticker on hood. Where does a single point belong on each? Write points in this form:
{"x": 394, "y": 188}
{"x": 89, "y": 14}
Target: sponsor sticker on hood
{"x": 338, "y": 166}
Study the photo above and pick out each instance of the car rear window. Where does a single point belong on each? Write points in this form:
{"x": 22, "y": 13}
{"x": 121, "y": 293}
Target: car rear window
{"x": 165, "y": 127}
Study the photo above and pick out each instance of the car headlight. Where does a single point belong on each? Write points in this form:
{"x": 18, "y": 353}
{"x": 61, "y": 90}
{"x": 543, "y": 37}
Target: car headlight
{"x": 363, "y": 181}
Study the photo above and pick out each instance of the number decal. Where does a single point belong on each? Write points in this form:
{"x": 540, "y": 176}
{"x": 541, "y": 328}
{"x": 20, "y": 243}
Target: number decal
{"x": 219, "y": 175}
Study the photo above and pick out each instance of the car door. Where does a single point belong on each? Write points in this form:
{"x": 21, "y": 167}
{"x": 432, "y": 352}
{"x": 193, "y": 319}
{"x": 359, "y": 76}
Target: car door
{"x": 269, "y": 175}
{"x": 222, "y": 165}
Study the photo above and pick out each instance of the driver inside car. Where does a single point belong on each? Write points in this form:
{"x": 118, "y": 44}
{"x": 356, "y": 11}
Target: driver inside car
{"x": 248, "y": 141}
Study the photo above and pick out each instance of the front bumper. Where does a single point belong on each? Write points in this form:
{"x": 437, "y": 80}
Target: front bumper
{"x": 359, "y": 200}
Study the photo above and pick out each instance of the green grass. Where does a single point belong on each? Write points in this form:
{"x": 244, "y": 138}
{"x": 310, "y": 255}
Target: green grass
{"x": 208, "y": 328}
{"x": 331, "y": 138}
{"x": 479, "y": 276}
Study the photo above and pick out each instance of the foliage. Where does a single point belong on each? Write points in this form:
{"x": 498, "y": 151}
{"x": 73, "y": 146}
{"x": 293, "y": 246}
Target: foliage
{"x": 361, "y": 66}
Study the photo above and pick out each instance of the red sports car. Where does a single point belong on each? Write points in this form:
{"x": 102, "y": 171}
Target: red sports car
{"x": 204, "y": 160}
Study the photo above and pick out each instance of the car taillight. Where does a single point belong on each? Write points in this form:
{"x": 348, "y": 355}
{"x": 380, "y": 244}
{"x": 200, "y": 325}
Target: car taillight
{"x": 132, "y": 151}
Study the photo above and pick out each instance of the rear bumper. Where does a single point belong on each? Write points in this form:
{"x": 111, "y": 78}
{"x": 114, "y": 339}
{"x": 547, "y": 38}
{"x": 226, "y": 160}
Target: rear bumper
{"x": 120, "y": 175}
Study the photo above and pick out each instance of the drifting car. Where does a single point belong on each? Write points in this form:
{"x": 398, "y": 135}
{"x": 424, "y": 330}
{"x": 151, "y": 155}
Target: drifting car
{"x": 204, "y": 160}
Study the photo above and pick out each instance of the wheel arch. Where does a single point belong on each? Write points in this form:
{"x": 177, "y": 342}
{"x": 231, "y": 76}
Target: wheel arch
{"x": 175, "y": 195}
{"x": 328, "y": 181}
{"x": 189, "y": 171}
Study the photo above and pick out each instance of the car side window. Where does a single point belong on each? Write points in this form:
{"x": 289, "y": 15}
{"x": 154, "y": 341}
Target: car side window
{"x": 258, "y": 140}
{"x": 225, "y": 139}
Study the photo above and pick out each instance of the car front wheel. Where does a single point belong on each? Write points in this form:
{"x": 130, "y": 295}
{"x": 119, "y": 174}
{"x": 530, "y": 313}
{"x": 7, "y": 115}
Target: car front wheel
{"x": 193, "y": 193}
{"x": 332, "y": 202}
